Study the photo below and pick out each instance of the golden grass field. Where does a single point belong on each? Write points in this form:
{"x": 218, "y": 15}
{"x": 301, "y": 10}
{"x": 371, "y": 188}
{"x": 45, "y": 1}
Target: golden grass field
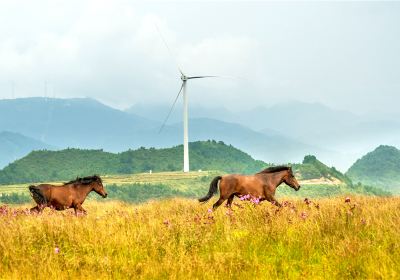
{"x": 180, "y": 239}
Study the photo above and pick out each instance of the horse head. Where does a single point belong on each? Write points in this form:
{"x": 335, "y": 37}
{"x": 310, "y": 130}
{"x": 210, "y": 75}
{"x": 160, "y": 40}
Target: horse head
{"x": 290, "y": 180}
{"x": 98, "y": 186}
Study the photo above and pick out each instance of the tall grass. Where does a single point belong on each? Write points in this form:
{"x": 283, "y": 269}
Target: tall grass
{"x": 181, "y": 239}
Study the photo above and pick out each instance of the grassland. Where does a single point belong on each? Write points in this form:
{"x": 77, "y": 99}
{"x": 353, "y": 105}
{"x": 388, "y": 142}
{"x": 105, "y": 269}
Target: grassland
{"x": 181, "y": 239}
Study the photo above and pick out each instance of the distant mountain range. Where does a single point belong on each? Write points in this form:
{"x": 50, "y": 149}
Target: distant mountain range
{"x": 14, "y": 146}
{"x": 380, "y": 167}
{"x": 337, "y": 137}
{"x": 279, "y": 134}
{"x": 86, "y": 123}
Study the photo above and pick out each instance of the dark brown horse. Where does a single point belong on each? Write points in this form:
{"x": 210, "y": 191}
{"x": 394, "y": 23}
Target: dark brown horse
{"x": 261, "y": 185}
{"x": 69, "y": 195}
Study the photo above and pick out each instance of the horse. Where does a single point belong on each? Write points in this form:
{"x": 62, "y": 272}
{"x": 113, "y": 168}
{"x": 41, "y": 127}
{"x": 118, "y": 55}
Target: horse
{"x": 69, "y": 195}
{"x": 261, "y": 185}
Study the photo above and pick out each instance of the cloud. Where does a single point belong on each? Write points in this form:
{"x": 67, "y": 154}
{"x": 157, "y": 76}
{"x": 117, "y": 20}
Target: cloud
{"x": 111, "y": 50}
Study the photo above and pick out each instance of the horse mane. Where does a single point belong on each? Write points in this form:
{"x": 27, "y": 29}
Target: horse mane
{"x": 85, "y": 180}
{"x": 274, "y": 169}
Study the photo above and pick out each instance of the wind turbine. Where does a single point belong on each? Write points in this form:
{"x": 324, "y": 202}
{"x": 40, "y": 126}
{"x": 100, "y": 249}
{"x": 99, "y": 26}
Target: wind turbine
{"x": 182, "y": 90}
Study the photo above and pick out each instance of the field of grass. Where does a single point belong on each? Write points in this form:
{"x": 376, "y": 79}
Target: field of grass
{"x": 181, "y": 239}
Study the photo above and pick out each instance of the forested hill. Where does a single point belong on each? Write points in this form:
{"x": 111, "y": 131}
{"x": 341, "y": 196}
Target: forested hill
{"x": 63, "y": 165}
{"x": 311, "y": 169}
{"x": 44, "y": 165}
{"x": 380, "y": 167}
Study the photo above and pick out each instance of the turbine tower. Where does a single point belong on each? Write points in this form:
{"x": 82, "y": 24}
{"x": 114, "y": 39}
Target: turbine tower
{"x": 183, "y": 90}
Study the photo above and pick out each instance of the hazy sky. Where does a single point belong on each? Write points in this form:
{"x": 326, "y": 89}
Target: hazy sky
{"x": 346, "y": 55}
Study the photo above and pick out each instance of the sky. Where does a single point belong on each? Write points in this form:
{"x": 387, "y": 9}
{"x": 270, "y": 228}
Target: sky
{"x": 342, "y": 54}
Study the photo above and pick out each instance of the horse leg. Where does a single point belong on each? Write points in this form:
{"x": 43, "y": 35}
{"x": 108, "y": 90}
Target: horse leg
{"x": 80, "y": 208}
{"x": 229, "y": 202}
{"x": 273, "y": 200}
{"x": 36, "y": 209}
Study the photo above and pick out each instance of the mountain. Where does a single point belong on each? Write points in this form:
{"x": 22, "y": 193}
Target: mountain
{"x": 271, "y": 147}
{"x": 14, "y": 146}
{"x": 69, "y": 163}
{"x": 343, "y": 136}
{"x": 88, "y": 124}
{"x": 158, "y": 112}
{"x": 80, "y": 122}
{"x": 380, "y": 167}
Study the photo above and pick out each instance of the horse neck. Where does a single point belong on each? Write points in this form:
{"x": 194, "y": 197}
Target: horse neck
{"x": 83, "y": 189}
{"x": 276, "y": 178}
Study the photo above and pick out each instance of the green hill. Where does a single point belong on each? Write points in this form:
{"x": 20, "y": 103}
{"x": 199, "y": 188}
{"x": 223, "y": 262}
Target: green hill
{"x": 66, "y": 164}
{"x": 380, "y": 167}
{"x": 317, "y": 179}
{"x": 312, "y": 168}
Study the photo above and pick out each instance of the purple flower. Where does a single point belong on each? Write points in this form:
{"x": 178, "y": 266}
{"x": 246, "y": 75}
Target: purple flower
{"x": 209, "y": 210}
{"x": 56, "y": 250}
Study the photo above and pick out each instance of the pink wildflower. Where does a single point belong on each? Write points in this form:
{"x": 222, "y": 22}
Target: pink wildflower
{"x": 56, "y": 250}
{"x": 303, "y": 215}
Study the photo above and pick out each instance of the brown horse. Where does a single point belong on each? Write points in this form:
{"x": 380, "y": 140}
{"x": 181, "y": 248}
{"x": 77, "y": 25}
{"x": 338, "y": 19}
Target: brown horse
{"x": 261, "y": 185}
{"x": 69, "y": 195}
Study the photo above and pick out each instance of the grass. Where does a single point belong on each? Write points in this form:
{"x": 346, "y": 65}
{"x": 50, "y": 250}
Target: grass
{"x": 180, "y": 239}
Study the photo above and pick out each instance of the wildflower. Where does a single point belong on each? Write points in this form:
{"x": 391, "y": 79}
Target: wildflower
{"x": 56, "y": 250}
{"x": 317, "y": 206}
{"x": 347, "y": 200}
{"x": 307, "y": 201}
{"x": 303, "y": 215}
{"x": 167, "y": 222}
{"x": 255, "y": 200}
{"x": 209, "y": 210}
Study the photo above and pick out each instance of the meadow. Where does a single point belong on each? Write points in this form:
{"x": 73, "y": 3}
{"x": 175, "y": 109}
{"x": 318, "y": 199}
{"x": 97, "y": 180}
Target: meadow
{"x": 179, "y": 238}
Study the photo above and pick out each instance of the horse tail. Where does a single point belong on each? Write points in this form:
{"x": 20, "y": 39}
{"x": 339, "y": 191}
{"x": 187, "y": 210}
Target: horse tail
{"x": 37, "y": 195}
{"x": 213, "y": 189}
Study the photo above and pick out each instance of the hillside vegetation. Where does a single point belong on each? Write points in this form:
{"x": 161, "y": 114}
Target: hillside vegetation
{"x": 380, "y": 167}
{"x": 127, "y": 175}
{"x": 180, "y": 239}
{"x": 41, "y": 166}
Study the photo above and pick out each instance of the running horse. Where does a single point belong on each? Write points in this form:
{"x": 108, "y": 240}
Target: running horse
{"x": 261, "y": 185}
{"x": 69, "y": 195}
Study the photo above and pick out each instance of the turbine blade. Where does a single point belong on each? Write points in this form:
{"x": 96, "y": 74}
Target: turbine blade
{"x": 172, "y": 108}
{"x": 201, "y": 77}
{"x": 169, "y": 50}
